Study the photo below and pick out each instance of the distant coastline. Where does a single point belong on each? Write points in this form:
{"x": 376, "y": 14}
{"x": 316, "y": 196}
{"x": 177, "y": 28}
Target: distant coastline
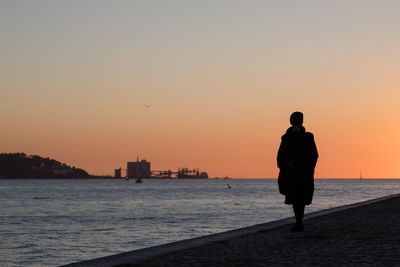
{"x": 20, "y": 166}
{"x": 90, "y": 177}
{"x": 23, "y": 166}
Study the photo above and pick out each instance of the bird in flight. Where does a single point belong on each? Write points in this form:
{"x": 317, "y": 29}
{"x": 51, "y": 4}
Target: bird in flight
{"x": 146, "y": 105}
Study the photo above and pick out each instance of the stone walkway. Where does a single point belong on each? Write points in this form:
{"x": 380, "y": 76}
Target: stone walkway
{"x": 361, "y": 234}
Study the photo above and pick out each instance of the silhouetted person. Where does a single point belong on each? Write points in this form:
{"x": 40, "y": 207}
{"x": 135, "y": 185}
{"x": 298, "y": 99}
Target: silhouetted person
{"x": 297, "y": 157}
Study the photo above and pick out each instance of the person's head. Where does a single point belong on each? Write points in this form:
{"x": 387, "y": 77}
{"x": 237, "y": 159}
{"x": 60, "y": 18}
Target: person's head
{"x": 296, "y": 119}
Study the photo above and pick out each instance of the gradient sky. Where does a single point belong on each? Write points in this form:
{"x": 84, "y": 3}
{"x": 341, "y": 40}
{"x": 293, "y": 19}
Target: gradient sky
{"x": 222, "y": 78}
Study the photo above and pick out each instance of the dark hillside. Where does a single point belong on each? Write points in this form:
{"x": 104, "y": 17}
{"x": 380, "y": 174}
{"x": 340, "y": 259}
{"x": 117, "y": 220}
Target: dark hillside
{"x": 20, "y": 165}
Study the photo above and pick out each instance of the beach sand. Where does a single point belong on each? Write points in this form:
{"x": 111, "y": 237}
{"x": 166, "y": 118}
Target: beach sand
{"x": 362, "y": 234}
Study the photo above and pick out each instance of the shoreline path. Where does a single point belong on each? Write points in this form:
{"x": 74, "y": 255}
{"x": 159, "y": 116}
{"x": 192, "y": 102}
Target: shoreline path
{"x": 361, "y": 234}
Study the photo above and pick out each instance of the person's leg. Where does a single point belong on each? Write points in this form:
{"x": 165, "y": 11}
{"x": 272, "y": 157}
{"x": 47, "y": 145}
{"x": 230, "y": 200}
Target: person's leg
{"x": 298, "y": 210}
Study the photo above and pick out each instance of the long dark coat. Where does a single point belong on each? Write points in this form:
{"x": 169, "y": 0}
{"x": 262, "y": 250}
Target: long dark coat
{"x": 297, "y": 157}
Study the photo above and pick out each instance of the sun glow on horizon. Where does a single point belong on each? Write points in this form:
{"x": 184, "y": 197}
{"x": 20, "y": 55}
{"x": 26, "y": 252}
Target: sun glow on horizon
{"x": 220, "y": 79}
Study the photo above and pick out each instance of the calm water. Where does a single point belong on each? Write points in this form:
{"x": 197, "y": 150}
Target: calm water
{"x": 53, "y": 222}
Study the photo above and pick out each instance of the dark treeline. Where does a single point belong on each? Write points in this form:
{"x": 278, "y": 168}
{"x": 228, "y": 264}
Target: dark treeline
{"x": 20, "y": 165}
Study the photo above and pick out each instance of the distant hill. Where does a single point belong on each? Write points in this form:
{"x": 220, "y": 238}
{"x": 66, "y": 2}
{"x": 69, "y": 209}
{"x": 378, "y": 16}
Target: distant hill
{"x": 20, "y": 165}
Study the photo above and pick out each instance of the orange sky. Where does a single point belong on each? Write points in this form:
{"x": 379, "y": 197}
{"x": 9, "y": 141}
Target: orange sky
{"x": 221, "y": 78}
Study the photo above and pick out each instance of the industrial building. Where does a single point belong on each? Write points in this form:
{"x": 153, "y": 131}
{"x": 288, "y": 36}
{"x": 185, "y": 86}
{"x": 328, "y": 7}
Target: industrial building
{"x": 138, "y": 169}
{"x": 141, "y": 169}
{"x": 118, "y": 173}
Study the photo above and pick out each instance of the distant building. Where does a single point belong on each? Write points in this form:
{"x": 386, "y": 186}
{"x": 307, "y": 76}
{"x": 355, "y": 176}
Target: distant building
{"x": 118, "y": 173}
{"x": 186, "y": 173}
{"x": 138, "y": 169}
{"x": 61, "y": 171}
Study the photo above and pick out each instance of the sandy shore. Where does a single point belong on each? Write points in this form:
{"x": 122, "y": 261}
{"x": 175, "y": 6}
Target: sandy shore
{"x": 362, "y": 234}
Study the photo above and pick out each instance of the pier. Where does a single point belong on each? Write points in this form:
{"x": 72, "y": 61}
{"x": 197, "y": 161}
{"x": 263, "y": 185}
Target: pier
{"x": 141, "y": 169}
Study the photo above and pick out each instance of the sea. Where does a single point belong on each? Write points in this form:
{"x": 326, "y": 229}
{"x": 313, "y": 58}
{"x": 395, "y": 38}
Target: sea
{"x": 55, "y": 222}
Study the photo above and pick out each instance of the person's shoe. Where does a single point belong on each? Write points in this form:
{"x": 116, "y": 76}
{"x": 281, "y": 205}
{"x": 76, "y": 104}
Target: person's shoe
{"x": 298, "y": 227}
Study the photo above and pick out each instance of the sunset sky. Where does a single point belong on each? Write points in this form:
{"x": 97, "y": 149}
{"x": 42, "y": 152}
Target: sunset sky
{"x": 222, "y": 78}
